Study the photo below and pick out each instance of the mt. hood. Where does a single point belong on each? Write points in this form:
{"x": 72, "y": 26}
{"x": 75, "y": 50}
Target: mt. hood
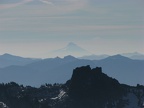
{"x": 71, "y": 49}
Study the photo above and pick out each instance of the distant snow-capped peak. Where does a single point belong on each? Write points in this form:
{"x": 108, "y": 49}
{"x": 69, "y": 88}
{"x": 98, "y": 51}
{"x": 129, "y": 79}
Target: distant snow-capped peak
{"x": 71, "y": 49}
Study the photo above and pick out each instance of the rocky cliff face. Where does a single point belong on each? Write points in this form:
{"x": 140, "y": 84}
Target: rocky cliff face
{"x": 87, "y": 88}
{"x": 90, "y": 88}
{"x": 92, "y": 83}
{"x": 94, "y": 88}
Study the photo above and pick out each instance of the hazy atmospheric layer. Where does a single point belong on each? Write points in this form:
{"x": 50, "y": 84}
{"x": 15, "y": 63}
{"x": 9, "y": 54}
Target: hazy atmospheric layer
{"x": 33, "y": 28}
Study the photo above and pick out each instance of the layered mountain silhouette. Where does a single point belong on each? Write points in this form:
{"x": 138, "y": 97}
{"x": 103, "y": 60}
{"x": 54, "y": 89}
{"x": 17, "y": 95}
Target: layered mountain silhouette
{"x": 124, "y": 69}
{"x": 135, "y": 55}
{"x": 81, "y": 53}
{"x": 87, "y": 88}
{"x": 8, "y": 60}
{"x": 58, "y": 70}
{"x": 52, "y": 70}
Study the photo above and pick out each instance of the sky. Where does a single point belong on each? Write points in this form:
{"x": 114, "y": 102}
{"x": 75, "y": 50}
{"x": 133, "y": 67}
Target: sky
{"x": 34, "y": 28}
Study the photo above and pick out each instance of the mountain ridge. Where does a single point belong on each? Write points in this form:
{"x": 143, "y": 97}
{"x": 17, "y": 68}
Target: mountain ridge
{"x": 8, "y": 60}
{"x": 134, "y": 56}
{"x": 58, "y": 70}
{"x": 87, "y": 88}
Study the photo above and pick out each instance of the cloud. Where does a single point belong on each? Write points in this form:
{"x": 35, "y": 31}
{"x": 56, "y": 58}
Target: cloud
{"x": 51, "y": 7}
{"x": 11, "y": 5}
{"x": 66, "y": 5}
{"x": 47, "y": 2}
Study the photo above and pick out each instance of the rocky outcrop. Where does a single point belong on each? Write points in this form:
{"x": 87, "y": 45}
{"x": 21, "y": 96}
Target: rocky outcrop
{"x": 3, "y": 105}
{"x": 87, "y": 88}
{"x": 93, "y": 83}
{"x": 93, "y": 87}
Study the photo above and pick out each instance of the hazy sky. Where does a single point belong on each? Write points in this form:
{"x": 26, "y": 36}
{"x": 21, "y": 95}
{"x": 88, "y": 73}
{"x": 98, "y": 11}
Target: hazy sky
{"x": 33, "y": 28}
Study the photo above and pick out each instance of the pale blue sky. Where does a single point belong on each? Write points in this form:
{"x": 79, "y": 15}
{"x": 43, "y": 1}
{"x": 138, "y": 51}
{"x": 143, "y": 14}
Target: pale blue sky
{"x": 33, "y": 28}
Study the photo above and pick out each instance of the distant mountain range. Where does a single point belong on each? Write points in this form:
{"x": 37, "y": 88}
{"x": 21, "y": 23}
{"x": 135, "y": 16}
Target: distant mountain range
{"x": 79, "y": 52}
{"x": 58, "y": 70}
{"x": 135, "y": 56}
{"x": 8, "y": 60}
{"x": 126, "y": 70}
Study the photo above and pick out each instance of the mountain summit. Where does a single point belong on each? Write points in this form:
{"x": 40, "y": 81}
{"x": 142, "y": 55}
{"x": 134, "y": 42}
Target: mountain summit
{"x": 71, "y": 49}
{"x": 87, "y": 82}
{"x": 8, "y": 60}
{"x": 71, "y": 44}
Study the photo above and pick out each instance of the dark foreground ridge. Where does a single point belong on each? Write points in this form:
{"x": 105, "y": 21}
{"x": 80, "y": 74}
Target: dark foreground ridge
{"x": 88, "y": 88}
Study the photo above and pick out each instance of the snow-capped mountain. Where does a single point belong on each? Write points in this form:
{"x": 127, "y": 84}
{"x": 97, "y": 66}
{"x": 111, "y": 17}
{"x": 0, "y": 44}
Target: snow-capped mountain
{"x": 71, "y": 49}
